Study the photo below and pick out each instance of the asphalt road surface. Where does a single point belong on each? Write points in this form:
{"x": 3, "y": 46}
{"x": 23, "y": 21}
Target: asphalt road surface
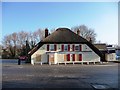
{"x": 94, "y": 77}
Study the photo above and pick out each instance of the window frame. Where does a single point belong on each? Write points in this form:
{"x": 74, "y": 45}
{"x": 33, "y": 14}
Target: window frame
{"x": 65, "y": 47}
{"x": 51, "y": 48}
{"x": 77, "y": 45}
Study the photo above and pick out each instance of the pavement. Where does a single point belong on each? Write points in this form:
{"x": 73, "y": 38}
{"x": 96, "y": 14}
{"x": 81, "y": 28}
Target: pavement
{"x": 91, "y": 77}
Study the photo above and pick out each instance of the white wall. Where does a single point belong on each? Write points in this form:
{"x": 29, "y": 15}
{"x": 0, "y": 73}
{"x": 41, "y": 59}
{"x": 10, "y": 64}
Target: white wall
{"x": 60, "y": 57}
{"x": 41, "y": 51}
{"x": 86, "y": 48}
{"x": 111, "y": 57}
{"x": 90, "y": 56}
{"x": 55, "y": 58}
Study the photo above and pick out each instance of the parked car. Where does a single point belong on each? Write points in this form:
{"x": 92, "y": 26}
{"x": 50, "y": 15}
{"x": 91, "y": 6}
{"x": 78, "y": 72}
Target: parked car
{"x": 23, "y": 58}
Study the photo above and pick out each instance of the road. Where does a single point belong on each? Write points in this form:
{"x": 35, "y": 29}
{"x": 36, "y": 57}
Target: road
{"x": 60, "y": 76}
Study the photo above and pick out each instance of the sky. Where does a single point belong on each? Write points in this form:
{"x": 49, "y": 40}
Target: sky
{"x": 30, "y": 16}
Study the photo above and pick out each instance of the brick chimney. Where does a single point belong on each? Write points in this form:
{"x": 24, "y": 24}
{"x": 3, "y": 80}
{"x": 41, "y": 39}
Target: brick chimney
{"x": 46, "y": 32}
{"x": 78, "y": 32}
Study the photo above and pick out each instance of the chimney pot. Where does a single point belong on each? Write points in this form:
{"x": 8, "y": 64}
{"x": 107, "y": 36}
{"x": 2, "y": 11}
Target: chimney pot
{"x": 78, "y": 32}
{"x": 46, "y": 32}
{"x": 90, "y": 40}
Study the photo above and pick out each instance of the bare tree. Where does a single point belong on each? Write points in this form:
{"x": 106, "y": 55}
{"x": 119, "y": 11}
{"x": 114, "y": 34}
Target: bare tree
{"x": 85, "y": 32}
{"x": 15, "y": 42}
{"x": 9, "y": 44}
{"x": 31, "y": 40}
{"x": 14, "y": 39}
{"x": 41, "y": 33}
{"x": 22, "y": 37}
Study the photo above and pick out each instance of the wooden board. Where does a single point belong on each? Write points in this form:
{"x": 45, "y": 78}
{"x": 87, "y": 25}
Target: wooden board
{"x": 38, "y": 57}
{"x": 51, "y": 58}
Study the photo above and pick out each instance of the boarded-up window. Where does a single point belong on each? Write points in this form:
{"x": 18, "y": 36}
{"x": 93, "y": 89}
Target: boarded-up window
{"x": 65, "y": 57}
{"x": 51, "y": 58}
{"x": 38, "y": 57}
{"x": 76, "y": 57}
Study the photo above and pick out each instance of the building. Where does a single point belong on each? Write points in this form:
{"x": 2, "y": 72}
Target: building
{"x": 108, "y": 51}
{"x": 117, "y": 47}
{"x": 64, "y": 46}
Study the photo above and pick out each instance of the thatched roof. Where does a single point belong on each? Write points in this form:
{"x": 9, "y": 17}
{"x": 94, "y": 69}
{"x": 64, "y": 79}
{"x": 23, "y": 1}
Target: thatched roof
{"x": 65, "y": 36}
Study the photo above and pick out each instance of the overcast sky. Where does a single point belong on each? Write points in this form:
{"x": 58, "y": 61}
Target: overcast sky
{"x": 29, "y": 16}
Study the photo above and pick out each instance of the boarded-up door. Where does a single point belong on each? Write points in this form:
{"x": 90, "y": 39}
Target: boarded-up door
{"x": 65, "y": 57}
{"x": 51, "y": 58}
{"x": 76, "y": 57}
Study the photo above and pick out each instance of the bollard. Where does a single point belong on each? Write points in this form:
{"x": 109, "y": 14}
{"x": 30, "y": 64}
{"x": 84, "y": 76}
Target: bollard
{"x": 19, "y": 61}
{"x": 32, "y": 62}
{"x": 40, "y": 63}
{"x": 49, "y": 63}
{"x": 73, "y": 63}
{"x": 101, "y": 62}
{"x": 65, "y": 63}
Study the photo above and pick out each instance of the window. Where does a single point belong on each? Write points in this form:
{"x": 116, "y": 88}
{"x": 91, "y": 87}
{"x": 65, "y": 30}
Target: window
{"x": 86, "y": 47}
{"x": 78, "y": 47}
{"x": 52, "y": 47}
{"x": 65, "y": 47}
